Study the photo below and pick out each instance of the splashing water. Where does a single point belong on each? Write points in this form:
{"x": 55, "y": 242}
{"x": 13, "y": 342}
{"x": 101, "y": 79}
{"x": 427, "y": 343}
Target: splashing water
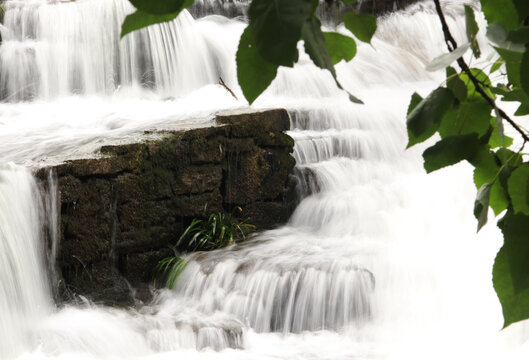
{"x": 379, "y": 261}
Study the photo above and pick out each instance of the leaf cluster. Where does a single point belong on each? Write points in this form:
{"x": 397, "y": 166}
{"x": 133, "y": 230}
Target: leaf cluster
{"x": 270, "y": 40}
{"x": 465, "y": 114}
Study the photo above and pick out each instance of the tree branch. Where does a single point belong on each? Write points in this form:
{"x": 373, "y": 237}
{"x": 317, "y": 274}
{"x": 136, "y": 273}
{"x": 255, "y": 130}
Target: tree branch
{"x": 221, "y": 82}
{"x": 452, "y": 45}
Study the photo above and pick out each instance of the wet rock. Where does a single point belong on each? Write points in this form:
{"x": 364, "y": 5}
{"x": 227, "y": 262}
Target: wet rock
{"x": 122, "y": 210}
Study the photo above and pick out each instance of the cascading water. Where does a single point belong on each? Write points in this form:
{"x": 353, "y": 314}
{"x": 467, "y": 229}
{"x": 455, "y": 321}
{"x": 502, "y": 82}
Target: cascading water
{"x": 378, "y": 260}
{"x": 23, "y": 287}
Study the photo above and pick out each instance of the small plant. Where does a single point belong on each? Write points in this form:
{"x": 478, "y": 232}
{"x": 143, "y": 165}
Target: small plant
{"x": 171, "y": 268}
{"x": 219, "y": 231}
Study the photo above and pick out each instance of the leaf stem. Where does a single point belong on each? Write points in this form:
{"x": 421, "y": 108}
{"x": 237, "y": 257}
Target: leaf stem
{"x": 452, "y": 45}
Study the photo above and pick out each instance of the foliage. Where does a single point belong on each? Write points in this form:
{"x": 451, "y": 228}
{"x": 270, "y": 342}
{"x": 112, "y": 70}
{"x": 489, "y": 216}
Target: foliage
{"x": 466, "y": 115}
{"x": 171, "y": 268}
{"x": 463, "y": 112}
{"x": 271, "y": 37}
{"x": 220, "y": 230}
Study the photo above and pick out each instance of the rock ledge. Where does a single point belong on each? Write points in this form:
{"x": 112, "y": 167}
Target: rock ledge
{"x": 120, "y": 212}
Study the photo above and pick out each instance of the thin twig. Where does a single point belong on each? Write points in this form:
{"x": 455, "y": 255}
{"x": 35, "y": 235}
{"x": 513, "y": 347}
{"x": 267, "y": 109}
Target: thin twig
{"x": 452, "y": 45}
{"x": 221, "y": 82}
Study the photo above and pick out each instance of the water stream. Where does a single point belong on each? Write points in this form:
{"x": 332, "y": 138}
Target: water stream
{"x": 379, "y": 260}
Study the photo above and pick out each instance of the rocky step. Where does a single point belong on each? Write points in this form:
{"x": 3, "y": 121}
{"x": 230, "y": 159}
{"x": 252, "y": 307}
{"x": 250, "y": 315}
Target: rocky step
{"x": 121, "y": 211}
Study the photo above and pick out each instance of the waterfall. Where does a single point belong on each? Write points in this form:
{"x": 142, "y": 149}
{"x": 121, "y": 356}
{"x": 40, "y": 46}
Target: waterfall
{"x": 378, "y": 261}
{"x": 23, "y": 286}
{"x": 56, "y": 49}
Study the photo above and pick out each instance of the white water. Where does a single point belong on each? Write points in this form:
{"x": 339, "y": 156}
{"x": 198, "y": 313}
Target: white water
{"x": 379, "y": 261}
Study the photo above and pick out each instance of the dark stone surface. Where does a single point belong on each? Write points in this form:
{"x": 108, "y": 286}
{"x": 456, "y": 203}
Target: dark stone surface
{"x": 121, "y": 212}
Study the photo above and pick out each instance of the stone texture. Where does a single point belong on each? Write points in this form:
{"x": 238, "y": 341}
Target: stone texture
{"x": 121, "y": 211}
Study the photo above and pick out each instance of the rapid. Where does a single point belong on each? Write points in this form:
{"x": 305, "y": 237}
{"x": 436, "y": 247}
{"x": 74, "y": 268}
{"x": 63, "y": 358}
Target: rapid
{"x": 378, "y": 261}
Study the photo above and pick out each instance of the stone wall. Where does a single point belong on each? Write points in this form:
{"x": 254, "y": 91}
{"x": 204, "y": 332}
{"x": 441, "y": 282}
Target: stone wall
{"x": 120, "y": 213}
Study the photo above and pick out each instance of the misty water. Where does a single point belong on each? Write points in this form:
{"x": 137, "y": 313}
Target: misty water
{"x": 378, "y": 261}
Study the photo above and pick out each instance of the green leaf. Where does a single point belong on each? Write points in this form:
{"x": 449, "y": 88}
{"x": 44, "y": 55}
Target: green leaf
{"x": 465, "y": 118}
{"x": 522, "y": 110}
{"x": 315, "y": 45}
{"x": 423, "y": 121}
{"x": 450, "y": 151}
{"x": 363, "y": 26}
{"x": 481, "y": 205}
{"x": 415, "y": 100}
{"x": 513, "y": 60}
{"x": 509, "y": 158}
{"x": 276, "y": 27}
{"x": 499, "y": 36}
{"x": 254, "y": 73}
{"x": 161, "y": 7}
{"x": 523, "y": 9}
{"x": 524, "y": 72}
{"x": 499, "y": 200}
{"x": 520, "y": 35}
{"x": 455, "y": 84}
{"x": 483, "y": 79}
{"x": 339, "y": 47}
{"x": 518, "y": 185}
{"x": 500, "y": 11}
{"x": 139, "y": 20}
{"x": 496, "y": 140}
{"x": 472, "y": 30}
{"x": 445, "y": 60}
{"x": 497, "y": 65}
{"x": 486, "y": 167}
{"x": 509, "y": 274}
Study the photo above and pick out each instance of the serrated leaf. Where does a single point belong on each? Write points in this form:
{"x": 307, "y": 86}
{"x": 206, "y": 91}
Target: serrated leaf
{"x": 465, "y": 118}
{"x": 455, "y": 84}
{"x": 254, "y": 73}
{"x": 500, "y": 11}
{"x": 363, "y": 26}
{"x": 445, "y": 60}
{"x": 481, "y": 205}
{"x": 509, "y": 274}
{"x": 450, "y": 151}
{"x": 472, "y": 30}
{"x": 339, "y": 47}
{"x": 139, "y": 20}
{"x": 423, "y": 121}
{"x": 161, "y": 7}
{"x": 518, "y": 187}
{"x": 276, "y": 28}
